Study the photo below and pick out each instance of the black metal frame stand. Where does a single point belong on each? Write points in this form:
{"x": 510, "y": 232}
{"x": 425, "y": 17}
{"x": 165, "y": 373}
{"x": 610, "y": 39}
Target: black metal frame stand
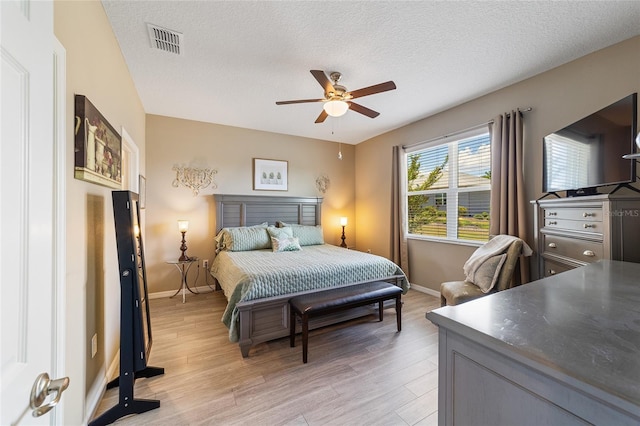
{"x": 127, "y": 404}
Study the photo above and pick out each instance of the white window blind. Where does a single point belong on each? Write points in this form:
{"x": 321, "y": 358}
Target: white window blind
{"x": 448, "y": 187}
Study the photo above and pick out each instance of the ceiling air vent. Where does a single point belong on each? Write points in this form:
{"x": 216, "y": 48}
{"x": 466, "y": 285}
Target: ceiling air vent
{"x": 164, "y": 39}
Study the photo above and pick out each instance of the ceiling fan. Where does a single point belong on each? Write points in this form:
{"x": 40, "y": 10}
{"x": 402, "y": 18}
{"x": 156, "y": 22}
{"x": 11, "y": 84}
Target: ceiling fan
{"x": 337, "y": 99}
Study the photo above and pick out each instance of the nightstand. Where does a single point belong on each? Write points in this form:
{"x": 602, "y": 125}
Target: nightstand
{"x": 183, "y": 267}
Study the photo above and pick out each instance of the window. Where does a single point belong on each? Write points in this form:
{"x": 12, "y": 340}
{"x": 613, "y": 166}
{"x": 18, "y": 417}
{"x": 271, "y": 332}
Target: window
{"x": 449, "y": 187}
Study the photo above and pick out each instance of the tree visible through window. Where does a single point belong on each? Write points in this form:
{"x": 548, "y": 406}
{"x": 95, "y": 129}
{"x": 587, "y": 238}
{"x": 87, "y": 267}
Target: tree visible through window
{"x": 448, "y": 189}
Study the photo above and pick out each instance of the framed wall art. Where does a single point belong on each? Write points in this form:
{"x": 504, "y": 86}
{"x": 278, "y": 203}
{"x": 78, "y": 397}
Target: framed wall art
{"x": 142, "y": 191}
{"x": 270, "y": 175}
{"x": 98, "y": 147}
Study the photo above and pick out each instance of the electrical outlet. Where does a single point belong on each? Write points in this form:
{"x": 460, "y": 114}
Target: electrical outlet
{"x": 368, "y": 250}
{"x": 94, "y": 345}
{"x": 205, "y": 264}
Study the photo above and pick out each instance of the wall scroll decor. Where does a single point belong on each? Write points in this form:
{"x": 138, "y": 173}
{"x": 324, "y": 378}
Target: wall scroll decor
{"x": 98, "y": 147}
{"x": 270, "y": 175}
{"x": 322, "y": 183}
{"x": 194, "y": 178}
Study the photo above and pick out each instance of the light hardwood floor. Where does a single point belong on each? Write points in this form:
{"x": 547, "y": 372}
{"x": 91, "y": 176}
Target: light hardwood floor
{"x": 361, "y": 372}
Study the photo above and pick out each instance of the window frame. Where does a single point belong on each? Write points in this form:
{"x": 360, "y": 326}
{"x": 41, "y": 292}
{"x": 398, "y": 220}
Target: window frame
{"x": 451, "y": 193}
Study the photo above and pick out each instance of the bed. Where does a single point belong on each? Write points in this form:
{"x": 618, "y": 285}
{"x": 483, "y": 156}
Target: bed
{"x": 258, "y": 281}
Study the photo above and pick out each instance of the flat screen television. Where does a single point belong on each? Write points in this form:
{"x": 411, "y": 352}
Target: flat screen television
{"x": 588, "y": 153}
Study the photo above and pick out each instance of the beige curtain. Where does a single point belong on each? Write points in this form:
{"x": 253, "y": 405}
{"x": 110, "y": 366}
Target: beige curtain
{"x": 399, "y": 253}
{"x": 508, "y": 203}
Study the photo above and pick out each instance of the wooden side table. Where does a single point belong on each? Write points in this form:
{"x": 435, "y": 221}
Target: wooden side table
{"x": 183, "y": 267}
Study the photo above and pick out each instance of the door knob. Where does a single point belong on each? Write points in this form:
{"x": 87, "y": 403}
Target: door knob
{"x": 44, "y": 387}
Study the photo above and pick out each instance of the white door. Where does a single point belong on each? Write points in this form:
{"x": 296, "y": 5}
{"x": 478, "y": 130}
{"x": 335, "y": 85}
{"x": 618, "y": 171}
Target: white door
{"x": 26, "y": 206}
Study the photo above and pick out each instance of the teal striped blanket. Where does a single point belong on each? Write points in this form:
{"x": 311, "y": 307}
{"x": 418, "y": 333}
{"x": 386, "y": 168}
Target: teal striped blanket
{"x": 258, "y": 274}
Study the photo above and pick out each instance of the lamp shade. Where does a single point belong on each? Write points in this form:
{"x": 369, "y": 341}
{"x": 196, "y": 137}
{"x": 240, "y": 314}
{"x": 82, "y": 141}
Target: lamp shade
{"x": 183, "y": 225}
{"x": 343, "y": 221}
{"x": 336, "y": 108}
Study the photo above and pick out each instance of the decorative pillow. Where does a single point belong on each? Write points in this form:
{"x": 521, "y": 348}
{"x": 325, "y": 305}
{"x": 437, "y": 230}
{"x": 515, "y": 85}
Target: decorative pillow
{"x": 309, "y": 235}
{"x": 219, "y": 239}
{"x": 280, "y": 232}
{"x": 243, "y": 238}
{"x": 285, "y": 244}
{"x": 488, "y": 273}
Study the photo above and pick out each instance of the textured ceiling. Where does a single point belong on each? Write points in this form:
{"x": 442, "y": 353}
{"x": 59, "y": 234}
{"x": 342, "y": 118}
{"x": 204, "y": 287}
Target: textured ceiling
{"x": 240, "y": 57}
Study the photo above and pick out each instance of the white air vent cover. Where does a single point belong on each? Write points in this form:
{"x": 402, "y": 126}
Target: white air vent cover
{"x": 164, "y": 39}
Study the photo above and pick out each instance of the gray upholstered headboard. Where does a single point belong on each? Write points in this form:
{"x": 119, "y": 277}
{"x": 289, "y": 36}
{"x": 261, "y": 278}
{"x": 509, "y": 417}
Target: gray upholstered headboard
{"x": 247, "y": 210}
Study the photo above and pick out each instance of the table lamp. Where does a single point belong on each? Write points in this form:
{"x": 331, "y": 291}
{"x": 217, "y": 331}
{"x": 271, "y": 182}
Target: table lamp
{"x": 343, "y": 222}
{"x": 183, "y": 226}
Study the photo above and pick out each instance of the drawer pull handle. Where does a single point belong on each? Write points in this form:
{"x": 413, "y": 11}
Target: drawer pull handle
{"x": 552, "y": 245}
{"x": 588, "y": 225}
{"x": 585, "y": 214}
{"x": 588, "y": 253}
{"x": 553, "y": 223}
{"x": 553, "y": 213}
{"x": 552, "y": 272}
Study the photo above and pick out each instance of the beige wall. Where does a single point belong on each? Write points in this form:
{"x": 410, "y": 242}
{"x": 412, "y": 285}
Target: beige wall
{"x": 230, "y": 150}
{"x": 96, "y": 69}
{"x": 558, "y": 97}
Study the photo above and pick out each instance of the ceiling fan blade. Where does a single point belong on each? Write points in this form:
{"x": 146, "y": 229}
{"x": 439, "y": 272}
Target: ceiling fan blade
{"x": 363, "y": 110}
{"x": 299, "y": 101}
{"x": 323, "y": 116}
{"x": 366, "y": 91}
{"x": 323, "y": 80}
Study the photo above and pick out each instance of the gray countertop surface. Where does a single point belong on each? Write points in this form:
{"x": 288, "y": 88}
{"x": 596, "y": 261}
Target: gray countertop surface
{"x": 584, "y": 323}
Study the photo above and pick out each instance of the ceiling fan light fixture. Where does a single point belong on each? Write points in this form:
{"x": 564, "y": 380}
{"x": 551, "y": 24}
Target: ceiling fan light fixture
{"x": 336, "y": 108}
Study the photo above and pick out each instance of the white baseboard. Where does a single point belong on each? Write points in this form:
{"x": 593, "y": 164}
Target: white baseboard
{"x": 114, "y": 366}
{"x": 422, "y": 289}
{"x": 206, "y": 289}
{"x": 95, "y": 394}
{"x": 161, "y": 294}
{"x": 99, "y": 387}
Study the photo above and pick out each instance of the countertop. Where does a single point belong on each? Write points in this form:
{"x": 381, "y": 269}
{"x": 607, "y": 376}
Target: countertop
{"x": 583, "y": 324}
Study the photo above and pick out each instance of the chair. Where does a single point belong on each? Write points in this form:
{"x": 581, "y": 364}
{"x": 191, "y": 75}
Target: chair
{"x": 457, "y": 292}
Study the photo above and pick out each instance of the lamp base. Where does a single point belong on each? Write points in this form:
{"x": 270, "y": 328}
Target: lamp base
{"x": 343, "y": 244}
{"x": 183, "y": 249}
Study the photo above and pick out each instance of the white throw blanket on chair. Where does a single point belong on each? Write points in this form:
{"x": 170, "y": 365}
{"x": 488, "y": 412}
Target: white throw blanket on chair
{"x": 497, "y": 245}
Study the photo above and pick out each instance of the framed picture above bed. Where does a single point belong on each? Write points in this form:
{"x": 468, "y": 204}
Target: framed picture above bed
{"x": 270, "y": 175}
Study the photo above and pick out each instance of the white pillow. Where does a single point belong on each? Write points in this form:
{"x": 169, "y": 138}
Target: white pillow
{"x": 285, "y": 244}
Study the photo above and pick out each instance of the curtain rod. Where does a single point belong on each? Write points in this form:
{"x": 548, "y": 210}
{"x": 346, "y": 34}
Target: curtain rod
{"x": 526, "y": 109}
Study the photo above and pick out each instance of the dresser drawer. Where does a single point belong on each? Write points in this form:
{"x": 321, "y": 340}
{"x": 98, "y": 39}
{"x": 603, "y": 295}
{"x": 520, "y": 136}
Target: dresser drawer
{"x": 574, "y": 225}
{"x": 581, "y": 250}
{"x": 593, "y": 214}
{"x": 551, "y": 267}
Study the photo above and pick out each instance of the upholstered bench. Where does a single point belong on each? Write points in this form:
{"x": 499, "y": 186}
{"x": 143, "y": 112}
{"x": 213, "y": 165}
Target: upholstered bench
{"x": 337, "y": 299}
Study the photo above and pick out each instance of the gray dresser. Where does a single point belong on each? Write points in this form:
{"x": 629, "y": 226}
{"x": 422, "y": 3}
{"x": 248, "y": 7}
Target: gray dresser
{"x": 572, "y": 232}
{"x": 560, "y": 351}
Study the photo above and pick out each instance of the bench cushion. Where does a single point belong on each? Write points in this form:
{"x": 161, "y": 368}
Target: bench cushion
{"x": 343, "y": 297}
